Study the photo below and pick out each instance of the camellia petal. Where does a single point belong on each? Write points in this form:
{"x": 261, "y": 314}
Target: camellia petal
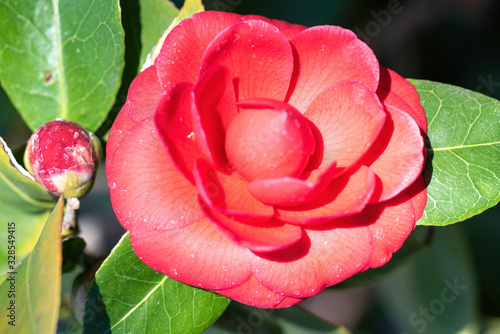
{"x": 418, "y": 195}
{"x": 349, "y": 117}
{"x": 122, "y": 124}
{"x": 393, "y": 83}
{"x": 268, "y": 236}
{"x": 181, "y": 53}
{"x": 345, "y": 195}
{"x": 147, "y": 190}
{"x": 347, "y": 57}
{"x": 143, "y": 94}
{"x": 321, "y": 258}
{"x": 228, "y": 195}
{"x": 390, "y": 225}
{"x": 288, "y": 29}
{"x": 197, "y": 255}
{"x": 268, "y": 142}
{"x": 286, "y": 191}
{"x": 268, "y": 60}
{"x": 214, "y": 108}
{"x": 397, "y": 156}
{"x": 173, "y": 119}
{"x": 255, "y": 294}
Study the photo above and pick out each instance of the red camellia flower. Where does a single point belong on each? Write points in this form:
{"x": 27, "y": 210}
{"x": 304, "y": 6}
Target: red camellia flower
{"x": 265, "y": 161}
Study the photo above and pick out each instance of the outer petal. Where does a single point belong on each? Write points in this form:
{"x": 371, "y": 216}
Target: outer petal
{"x": 173, "y": 119}
{"x": 392, "y": 83}
{"x": 397, "y": 156}
{"x": 214, "y": 108}
{"x": 180, "y": 56}
{"x": 269, "y": 236}
{"x": 288, "y": 29}
{"x": 325, "y": 55}
{"x": 287, "y": 191}
{"x": 228, "y": 194}
{"x": 143, "y": 94}
{"x": 392, "y": 223}
{"x": 418, "y": 195}
{"x": 258, "y": 56}
{"x": 320, "y": 259}
{"x": 122, "y": 124}
{"x": 346, "y": 195}
{"x": 197, "y": 255}
{"x": 254, "y": 294}
{"x": 349, "y": 117}
{"x": 147, "y": 190}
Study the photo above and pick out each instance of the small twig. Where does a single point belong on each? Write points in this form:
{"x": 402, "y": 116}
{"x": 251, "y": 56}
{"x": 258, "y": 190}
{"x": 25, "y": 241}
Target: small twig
{"x": 70, "y": 218}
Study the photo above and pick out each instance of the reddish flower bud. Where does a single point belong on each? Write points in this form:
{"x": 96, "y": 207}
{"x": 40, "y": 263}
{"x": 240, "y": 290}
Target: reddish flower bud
{"x": 63, "y": 157}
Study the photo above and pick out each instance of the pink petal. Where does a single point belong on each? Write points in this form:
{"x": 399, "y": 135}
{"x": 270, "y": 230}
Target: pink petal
{"x": 143, "y": 94}
{"x": 325, "y": 55}
{"x": 122, "y": 124}
{"x": 392, "y": 223}
{"x": 212, "y": 112}
{"x": 418, "y": 194}
{"x": 173, "y": 120}
{"x": 320, "y": 259}
{"x": 252, "y": 293}
{"x": 287, "y": 191}
{"x": 180, "y": 56}
{"x": 197, "y": 255}
{"x": 147, "y": 190}
{"x": 346, "y": 195}
{"x": 349, "y": 117}
{"x": 258, "y": 56}
{"x": 392, "y": 82}
{"x": 269, "y": 139}
{"x": 288, "y": 29}
{"x": 268, "y": 236}
{"x": 397, "y": 156}
{"x": 228, "y": 194}
{"x": 289, "y": 301}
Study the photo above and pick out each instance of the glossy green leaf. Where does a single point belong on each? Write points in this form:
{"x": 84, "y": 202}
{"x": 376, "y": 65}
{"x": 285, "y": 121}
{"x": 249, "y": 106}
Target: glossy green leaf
{"x": 240, "y": 318}
{"x": 61, "y": 59}
{"x": 33, "y": 290}
{"x": 156, "y": 16}
{"x": 129, "y": 297}
{"x": 22, "y": 202}
{"x": 435, "y": 292}
{"x": 463, "y": 169}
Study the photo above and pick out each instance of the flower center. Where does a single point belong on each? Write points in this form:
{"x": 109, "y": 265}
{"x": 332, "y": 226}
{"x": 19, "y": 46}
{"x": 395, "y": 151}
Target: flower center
{"x": 268, "y": 139}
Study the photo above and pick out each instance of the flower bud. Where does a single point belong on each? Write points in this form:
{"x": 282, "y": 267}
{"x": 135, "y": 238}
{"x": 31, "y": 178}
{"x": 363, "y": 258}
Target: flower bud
{"x": 63, "y": 157}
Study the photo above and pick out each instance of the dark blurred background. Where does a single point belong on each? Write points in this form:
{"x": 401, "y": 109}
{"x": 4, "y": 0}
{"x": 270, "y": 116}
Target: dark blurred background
{"x": 451, "y": 41}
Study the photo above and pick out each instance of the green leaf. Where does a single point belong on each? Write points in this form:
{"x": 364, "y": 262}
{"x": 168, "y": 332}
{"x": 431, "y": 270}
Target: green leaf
{"x": 22, "y": 202}
{"x": 435, "y": 292}
{"x": 129, "y": 297}
{"x": 156, "y": 16}
{"x": 36, "y": 284}
{"x": 463, "y": 169}
{"x": 72, "y": 253}
{"x": 240, "y": 318}
{"x": 61, "y": 59}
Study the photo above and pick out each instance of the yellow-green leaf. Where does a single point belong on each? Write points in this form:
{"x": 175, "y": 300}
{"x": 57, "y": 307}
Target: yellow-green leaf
{"x": 22, "y": 202}
{"x": 31, "y": 293}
